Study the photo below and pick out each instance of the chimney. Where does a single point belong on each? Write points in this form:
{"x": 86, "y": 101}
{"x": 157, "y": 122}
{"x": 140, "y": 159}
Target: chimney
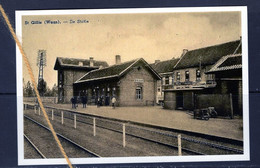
{"x": 91, "y": 61}
{"x": 156, "y": 61}
{"x": 118, "y": 59}
{"x": 184, "y": 52}
{"x": 80, "y": 63}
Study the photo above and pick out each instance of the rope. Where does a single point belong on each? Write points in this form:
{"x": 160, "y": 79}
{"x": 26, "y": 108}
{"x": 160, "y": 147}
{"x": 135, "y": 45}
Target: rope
{"x": 34, "y": 84}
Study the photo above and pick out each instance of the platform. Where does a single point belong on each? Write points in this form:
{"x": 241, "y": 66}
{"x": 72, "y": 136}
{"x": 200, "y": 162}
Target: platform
{"x": 175, "y": 119}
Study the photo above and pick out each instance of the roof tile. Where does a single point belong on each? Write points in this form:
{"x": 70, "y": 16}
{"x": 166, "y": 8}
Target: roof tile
{"x": 165, "y": 66}
{"x": 106, "y": 72}
{"x": 113, "y": 71}
{"x": 229, "y": 62}
{"x": 75, "y": 62}
{"x": 208, "y": 55}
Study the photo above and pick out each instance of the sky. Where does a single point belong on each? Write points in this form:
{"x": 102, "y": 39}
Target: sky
{"x": 157, "y": 36}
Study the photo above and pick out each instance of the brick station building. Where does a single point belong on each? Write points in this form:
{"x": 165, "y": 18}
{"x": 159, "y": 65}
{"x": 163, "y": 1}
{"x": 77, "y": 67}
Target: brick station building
{"x": 71, "y": 69}
{"x": 165, "y": 69}
{"x": 208, "y": 77}
{"x": 133, "y": 83}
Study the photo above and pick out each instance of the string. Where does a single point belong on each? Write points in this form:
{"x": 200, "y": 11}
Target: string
{"x": 34, "y": 84}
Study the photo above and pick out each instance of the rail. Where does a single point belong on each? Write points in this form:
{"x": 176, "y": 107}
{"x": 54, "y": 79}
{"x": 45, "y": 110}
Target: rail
{"x": 34, "y": 147}
{"x": 116, "y": 125}
{"x": 65, "y": 138}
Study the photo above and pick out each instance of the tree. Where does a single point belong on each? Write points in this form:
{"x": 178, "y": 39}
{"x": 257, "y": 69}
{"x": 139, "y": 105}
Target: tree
{"x": 28, "y": 90}
{"x": 24, "y": 89}
{"x": 48, "y": 92}
{"x": 42, "y": 87}
{"x": 54, "y": 90}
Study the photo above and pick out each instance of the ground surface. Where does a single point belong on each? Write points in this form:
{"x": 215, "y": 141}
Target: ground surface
{"x": 106, "y": 143}
{"x": 176, "y": 119}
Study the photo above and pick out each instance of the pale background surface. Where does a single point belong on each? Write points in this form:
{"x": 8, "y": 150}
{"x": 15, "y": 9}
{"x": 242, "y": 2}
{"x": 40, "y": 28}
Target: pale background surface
{"x": 151, "y": 36}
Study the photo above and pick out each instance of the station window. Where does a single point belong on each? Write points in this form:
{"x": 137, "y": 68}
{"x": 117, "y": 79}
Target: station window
{"x": 178, "y": 76}
{"x": 198, "y": 75}
{"x": 60, "y": 79}
{"x": 187, "y": 76}
{"x": 139, "y": 93}
{"x": 167, "y": 80}
{"x": 210, "y": 77}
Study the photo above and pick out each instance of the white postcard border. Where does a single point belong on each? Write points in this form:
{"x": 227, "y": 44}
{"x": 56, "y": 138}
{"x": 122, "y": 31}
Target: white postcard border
{"x": 150, "y": 159}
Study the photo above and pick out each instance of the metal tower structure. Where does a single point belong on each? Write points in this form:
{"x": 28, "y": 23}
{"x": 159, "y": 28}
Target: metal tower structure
{"x": 41, "y": 63}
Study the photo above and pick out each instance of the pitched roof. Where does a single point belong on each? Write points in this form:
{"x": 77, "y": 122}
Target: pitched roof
{"x": 208, "y": 55}
{"x": 165, "y": 66}
{"x": 229, "y": 62}
{"x": 75, "y": 63}
{"x": 113, "y": 71}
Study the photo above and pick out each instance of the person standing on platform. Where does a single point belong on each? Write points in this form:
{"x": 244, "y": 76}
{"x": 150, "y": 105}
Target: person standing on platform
{"x": 98, "y": 102}
{"x": 84, "y": 101}
{"x": 72, "y": 102}
{"x": 114, "y": 102}
{"x": 75, "y": 102}
{"x": 101, "y": 100}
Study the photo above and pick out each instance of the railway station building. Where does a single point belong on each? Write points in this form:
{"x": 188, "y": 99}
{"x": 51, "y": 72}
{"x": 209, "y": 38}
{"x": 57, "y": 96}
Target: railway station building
{"x": 132, "y": 83}
{"x": 165, "y": 69}
{"x": 205, "y": 77}
{"x": 228, "y": 76}
{"x": 71, "y": 69}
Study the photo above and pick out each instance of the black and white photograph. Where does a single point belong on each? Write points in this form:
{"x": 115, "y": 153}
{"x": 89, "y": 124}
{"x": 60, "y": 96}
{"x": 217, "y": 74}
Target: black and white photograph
{"x": 133, "y": 85}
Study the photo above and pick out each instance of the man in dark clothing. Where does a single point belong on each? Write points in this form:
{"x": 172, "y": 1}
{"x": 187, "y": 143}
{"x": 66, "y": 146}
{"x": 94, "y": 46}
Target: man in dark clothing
{"x": 98, "y": 102}
{"x": 72, "y": 102}
{"x": 75, "y": 101}
{"x": 84, "y": 101}
{"x": 101, "y": 100}
{"x": 107, "y": 101}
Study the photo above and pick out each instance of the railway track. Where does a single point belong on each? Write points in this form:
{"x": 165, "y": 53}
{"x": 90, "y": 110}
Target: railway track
{"x": 218, "y": 146}
{"x": 33, "y": 151}
{"x": 66, "y": 142}
{"x": 192, "y": 152}
{"x": 193, "y": 145}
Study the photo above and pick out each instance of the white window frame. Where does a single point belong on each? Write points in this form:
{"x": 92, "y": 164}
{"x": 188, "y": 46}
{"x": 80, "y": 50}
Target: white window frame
{"x": 198, "y": 78}
{"x": 187, "y": 73}
{"x": 138, "y": 93}
{"x": 178, "y": 74}
{"x": 163, "y": 80}
{"x": 170, "y": 80}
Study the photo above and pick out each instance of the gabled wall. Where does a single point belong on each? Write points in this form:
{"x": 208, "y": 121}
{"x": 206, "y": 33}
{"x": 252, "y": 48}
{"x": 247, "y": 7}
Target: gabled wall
{"x": 129, "y": 83}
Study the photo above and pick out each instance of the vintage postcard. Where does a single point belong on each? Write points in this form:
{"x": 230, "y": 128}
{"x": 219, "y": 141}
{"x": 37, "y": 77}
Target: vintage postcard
{"x": 134, "y": 85}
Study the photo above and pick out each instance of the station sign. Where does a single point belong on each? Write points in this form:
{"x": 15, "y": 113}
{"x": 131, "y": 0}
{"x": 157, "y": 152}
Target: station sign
{"x": 139, "y": 80}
